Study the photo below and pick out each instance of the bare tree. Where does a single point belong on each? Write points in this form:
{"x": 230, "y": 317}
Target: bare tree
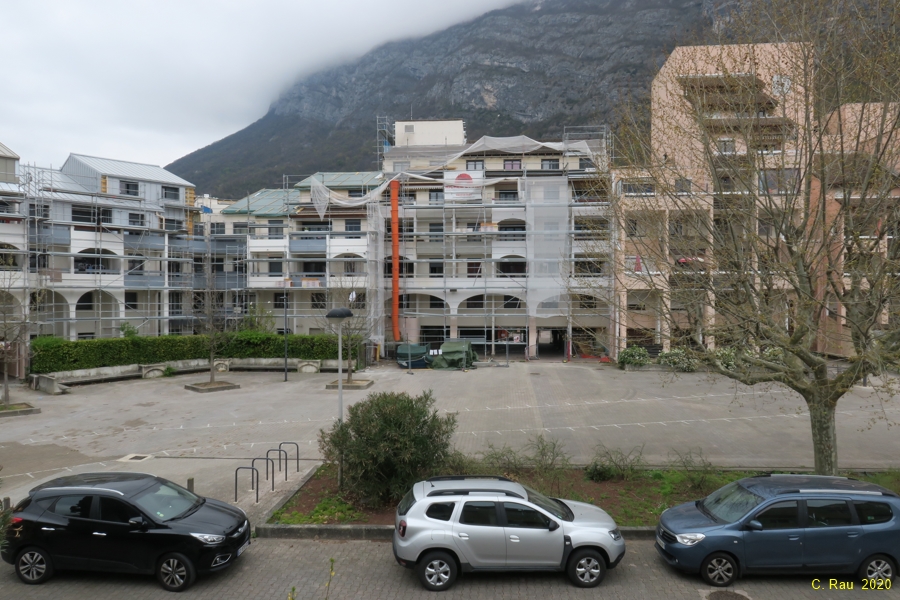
{"x": 356, "y": 329}
{"x": 14, "y": 327}
{"x": 757, "y": 220}
{"x": 209, "y": 310}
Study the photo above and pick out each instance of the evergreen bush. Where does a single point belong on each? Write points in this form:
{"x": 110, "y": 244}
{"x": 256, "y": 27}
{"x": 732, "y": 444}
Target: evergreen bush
{"x": 679, "y": 360}
{"x": 634, "y": 355}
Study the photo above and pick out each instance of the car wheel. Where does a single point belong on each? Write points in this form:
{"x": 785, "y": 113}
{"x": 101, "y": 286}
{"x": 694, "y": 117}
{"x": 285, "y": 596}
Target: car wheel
{"x": 587, "y": 568}
{"x": 878, "y": 567}
{"x": 175, "y": 572}
{"x": 719, "y": 569}
{"x": 33, "y": 566}
{"x": 437, "y": 571}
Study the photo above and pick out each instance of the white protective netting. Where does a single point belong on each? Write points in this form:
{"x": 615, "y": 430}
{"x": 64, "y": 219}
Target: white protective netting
{"x": 547, "y": 221}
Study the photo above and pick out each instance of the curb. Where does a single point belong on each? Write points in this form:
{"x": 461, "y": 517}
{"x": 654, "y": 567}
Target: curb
{"x": 19, "y": 412}
{"x": 383, "y": 532}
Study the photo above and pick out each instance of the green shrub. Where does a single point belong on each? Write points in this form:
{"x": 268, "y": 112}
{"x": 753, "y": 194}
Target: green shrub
{"x": 679, "y": 360}
{"x": 773, "y": 354}
{"x": 51, "y": 354}
{"x": 169, "y": 371}
{"x": 727, "y": 357}
{"x": 634, "y": 355}
{"x": 388, "y": 442}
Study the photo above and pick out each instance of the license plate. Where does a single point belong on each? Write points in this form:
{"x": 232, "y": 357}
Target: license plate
{"x": 242, "y": 548}
{"x": 661, "y": 543}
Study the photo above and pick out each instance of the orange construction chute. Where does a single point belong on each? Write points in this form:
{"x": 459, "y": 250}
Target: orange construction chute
{"x": 395, "y": 258}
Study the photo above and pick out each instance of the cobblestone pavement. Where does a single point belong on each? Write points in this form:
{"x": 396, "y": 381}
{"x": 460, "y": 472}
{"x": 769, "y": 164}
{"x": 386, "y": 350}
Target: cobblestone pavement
{"x": 367, "y": 570}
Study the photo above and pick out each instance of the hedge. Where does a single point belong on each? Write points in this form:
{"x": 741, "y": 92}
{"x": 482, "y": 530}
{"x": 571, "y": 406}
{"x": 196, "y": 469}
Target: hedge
{"x": 51, "y": 354}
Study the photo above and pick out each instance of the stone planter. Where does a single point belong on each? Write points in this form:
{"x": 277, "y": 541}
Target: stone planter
{"x": 310, "y": 366}
{"x": 153, "y": 371}
{"x": 222, "y": 365}
{"x": 331, "y": 364}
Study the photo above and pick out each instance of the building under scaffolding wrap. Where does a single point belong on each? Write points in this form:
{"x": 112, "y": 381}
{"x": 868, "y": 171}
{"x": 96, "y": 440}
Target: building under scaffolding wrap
{"x": 490, "y": 237}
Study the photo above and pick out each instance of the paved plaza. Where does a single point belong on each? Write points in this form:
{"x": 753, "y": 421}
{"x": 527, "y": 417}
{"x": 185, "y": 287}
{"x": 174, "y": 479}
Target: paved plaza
{"x": 206, "y": 436}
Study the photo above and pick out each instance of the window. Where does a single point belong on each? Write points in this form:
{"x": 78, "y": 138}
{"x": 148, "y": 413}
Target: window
{"x": 276, "y": 231}
{"x": 86, "y": 336}
{"x": 473, "y": 269}
{"x": 216, "y": 228}
{"x": 638, "y": 188}
{"x": 512, "y": 267}
{"x": 511, "y": 302}
{"x": 317, "y": 299}
{"x": 479, "y": 513}
{"x": 676, "y": 227}
{"x": 435, "y": 302}
{"x": 512, "y": 165}
{"x": 174, "y": 225}
{"x": 436, "y": 268}
{"x": 38, "y": 211}
{"x": 474, "y": 165}
{"x": 828, "y": 513}
{"x": 631, "y": 227}
{"x": 872, "y": 513}
{"x": 135, "y": 265}
{"x": 409, "y": 128}
{"x": 240, "y": 228}
{"x": 356, "y": 193}
{"x": 435, "y": 197}
{"x": 518, "y": 515}
{"x": 238, "y": 265}
{"x": 476, "y": 302}
{"x": 586, "y": 302}
{"x": 407, "y": 269}
{"x": 726, "y": 183}
{"x": 586, "y": 163}
{"x": 199, "y": 267}
{"x": 218, "y": 265}
{"x": 683, "y": 186}
{"x": 175, "y": 304}
{"x": 353, "y": 225}
{"x": 833, "y": 308}
{"x": 314, "y": 268}
{"x": 275, "y": 267}
{"x": 129, "y": 188}
{"x": 550, "y": 164}
{"x": 281, "y": 299}
{"x": 725, "y": 146}
{"x": 115, "y": 511}
{"x": 357, "y": 300}
{"x": 401, "y": 166}
{"x": 171, "y": 193}
{"x": 84, "y": 214}
{"x": 781, "y": 515}
{"x": 508, "y": 196}
{"x": 199, "y": 229}
{"x": 435, "y": 228}
{"x": 778, "y": 181}
{"x": 136, "y": 219}
{"x": 441, "y": 511}
{"x": 73, "y": 506}
{"x": 587, "y": 267}
{"x": 404, "y": 301}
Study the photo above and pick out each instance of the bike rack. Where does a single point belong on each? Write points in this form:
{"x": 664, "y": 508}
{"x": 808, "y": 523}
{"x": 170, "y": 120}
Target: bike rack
{"x": 295, "y": 445}
{"x": 268, "y": 460}
{"x": 280, "y": 452}
{"x": 256, "y": 487}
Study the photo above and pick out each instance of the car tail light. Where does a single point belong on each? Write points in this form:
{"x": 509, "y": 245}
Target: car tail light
{"x": 16, "y": 520}
{"x": 401, "y": 528}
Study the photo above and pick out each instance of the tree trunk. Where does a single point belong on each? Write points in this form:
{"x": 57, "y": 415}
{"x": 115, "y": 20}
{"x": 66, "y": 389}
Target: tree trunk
{"x": 212, "y": 361}
{"x": 824, "y": 435}
{"x": 6, "y": 383}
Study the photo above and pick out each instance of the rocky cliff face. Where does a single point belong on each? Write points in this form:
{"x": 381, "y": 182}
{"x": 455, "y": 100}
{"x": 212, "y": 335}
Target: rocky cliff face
{"x": 532, "y": 68}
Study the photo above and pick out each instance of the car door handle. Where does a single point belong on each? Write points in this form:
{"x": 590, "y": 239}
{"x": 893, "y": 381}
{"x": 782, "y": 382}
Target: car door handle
{"x": 464, "y": 536}
{"x": 852, "y": 534}
{"x": 793, "y": 538}
{"x": 48, "y": 529}
{"x": 97, "y": 533}
{"x": 514, "y": 538}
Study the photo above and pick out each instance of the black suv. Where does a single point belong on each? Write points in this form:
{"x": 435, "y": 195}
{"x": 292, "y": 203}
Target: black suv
{"x": 123, "y": 522}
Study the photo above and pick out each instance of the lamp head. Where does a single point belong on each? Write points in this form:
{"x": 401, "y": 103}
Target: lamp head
{"x": 338, "y": 315}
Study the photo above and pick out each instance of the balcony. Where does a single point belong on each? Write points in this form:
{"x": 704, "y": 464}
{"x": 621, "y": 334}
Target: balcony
{"x": 224, "y": 280}
{"x": 308, "y": 280}
{"x": 145, "y": 279}
{"x": 145, "y": 242}
{"x": 51, "y": 235}
{"x": 309, "y": 243}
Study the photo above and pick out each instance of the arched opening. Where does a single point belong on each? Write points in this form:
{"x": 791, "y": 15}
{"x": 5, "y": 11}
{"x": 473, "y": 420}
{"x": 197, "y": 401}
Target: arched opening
{"x": 49, "y": 312}
{"x": 97, "y": 260}
{"x": 96, "y": 315}
{"x": 11, "y": 258}
{"x": 351, "y": 265}
{"x": 407, "y": 267}
{"x": 512, "y": 266}
{"x": 13, "y": 333}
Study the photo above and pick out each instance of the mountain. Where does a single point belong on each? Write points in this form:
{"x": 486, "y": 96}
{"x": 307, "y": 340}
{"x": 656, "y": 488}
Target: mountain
{"x": 530, "y": 69}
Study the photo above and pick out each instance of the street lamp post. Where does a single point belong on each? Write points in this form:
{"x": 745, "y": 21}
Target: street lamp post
{"x": 337, "y": 316}
{"x": 287, "y": 286}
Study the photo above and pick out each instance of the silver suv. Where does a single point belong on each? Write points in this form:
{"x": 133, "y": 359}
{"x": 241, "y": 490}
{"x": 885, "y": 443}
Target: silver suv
{"x": 472, "y": 523}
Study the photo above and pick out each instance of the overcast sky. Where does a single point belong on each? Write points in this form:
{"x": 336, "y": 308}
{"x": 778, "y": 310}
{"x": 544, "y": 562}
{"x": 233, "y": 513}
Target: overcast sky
{"x": 151, "y": 81}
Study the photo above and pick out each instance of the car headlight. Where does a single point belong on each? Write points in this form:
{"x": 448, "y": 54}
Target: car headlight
{"x": 616, "y": 535}
{"x": 689, "y": 539}
{"x": 209, "y": 538}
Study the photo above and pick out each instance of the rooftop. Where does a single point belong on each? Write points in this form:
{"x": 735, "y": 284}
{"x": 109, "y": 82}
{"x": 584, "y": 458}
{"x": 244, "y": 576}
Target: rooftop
{"x": 345, "y": 181}
{"x": 129, "y": 170}
{"x": 5, "y": 152}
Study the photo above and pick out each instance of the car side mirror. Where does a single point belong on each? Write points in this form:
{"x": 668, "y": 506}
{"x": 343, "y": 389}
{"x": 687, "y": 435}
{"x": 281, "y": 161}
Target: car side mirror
{"x": 553, "y": 525}
{"x": 754, "y": 525}
{"x": 137, "y": 523}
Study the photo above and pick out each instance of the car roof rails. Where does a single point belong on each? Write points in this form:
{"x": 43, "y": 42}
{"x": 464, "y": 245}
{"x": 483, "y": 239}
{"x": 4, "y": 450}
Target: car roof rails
{"x": 465, "y": 477}
{"x": 474, "y": 493}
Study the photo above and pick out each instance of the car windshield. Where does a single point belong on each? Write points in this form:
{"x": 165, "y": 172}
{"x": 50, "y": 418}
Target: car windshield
{"x": 730, "y": 503}
{"x": 554, "y": 507}
{"x": 167, "y": 501}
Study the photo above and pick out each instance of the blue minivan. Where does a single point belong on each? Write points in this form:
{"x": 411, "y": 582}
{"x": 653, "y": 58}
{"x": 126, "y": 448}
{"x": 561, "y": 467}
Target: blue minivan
{"x": 785, "y": 524}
